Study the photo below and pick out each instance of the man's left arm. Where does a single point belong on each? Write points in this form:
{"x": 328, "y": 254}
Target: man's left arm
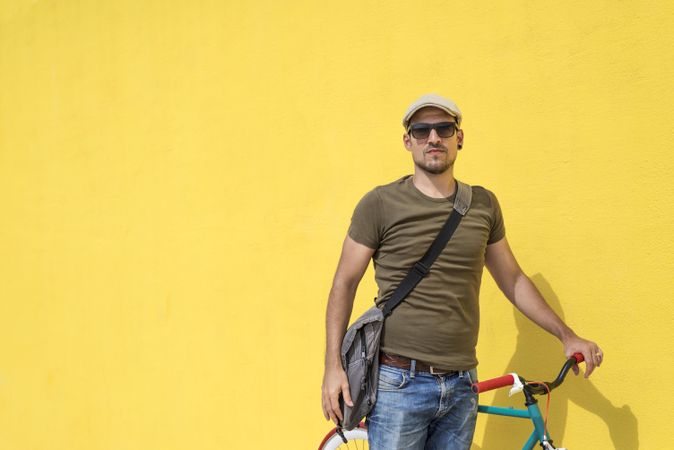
{"x": 519, "y": 289}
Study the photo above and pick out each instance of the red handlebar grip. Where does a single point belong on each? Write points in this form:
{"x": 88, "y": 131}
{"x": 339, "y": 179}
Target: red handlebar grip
{"x": 494, "y": 383}
{"x": 579, "y": 357}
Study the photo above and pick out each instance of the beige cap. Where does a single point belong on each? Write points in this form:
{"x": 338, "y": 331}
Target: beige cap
{"x": 432, "y": 100}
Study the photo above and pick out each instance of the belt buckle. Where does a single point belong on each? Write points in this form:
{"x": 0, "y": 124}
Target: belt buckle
{"x": 433, "y": 372}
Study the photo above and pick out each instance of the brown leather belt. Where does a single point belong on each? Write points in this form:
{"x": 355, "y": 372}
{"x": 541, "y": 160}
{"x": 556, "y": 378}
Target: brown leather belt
{"x": 405, "y": 363}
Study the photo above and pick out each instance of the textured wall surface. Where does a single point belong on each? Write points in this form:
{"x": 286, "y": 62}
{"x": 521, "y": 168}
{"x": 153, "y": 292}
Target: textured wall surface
{"x": 176, "y": 179}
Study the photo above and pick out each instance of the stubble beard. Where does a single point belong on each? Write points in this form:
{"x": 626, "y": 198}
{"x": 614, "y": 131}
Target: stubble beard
{"x": 435, "y": 168}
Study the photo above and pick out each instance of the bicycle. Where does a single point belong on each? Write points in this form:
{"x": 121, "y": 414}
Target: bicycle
{"x": 357, "y": 438}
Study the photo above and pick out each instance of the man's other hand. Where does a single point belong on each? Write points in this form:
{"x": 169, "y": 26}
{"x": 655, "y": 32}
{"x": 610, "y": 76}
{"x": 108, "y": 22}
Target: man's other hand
{"x": 593, "y": 355}
{"x": 335, "y": 383}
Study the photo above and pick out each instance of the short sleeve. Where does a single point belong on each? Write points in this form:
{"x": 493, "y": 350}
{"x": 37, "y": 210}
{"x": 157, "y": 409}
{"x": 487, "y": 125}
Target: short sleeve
{"x": 497, "y": 230}
{"x": 366, "y": 223}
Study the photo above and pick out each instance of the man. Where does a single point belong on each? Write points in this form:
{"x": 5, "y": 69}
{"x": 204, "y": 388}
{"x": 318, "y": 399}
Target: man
{"x": 427, "y": 360}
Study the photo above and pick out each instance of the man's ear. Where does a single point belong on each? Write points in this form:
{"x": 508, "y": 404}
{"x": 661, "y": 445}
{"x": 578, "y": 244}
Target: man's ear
{"x": 459, "y": 139}
{"x": 407, "y": 141}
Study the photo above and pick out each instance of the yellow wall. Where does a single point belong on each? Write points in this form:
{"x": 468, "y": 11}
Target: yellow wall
{"x": 176, "y": 179}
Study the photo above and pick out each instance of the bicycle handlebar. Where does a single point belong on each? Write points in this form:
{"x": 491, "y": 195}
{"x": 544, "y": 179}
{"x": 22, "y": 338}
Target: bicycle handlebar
{"x": 536, "y": 388}
{"x": 494, "y": 383}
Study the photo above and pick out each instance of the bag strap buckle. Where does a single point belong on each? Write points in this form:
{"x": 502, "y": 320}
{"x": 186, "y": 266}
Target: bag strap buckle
{"x": 421, "y": 268}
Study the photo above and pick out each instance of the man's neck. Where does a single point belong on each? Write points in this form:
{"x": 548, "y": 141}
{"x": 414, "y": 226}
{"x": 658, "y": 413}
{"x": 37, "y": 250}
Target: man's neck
{"x": 436, "y": 186}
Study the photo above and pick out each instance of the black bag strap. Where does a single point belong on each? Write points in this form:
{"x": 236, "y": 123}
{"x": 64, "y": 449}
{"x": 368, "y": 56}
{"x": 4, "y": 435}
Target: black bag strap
{"x": 462, "y": 200}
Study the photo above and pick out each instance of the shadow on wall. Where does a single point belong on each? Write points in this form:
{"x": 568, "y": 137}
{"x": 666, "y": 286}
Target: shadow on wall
{"x": 538, "y": 356}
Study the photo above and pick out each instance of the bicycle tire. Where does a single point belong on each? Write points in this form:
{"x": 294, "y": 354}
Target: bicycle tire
{"x": 356, "y": 440}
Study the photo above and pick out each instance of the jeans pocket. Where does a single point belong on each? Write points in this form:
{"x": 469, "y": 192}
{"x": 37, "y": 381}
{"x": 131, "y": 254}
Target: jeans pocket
{"x": 390, "y": 380}
{"x": 472, "y": 376}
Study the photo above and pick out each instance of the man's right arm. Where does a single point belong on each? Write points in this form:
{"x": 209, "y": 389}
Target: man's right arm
{"x": 352, "y": 265}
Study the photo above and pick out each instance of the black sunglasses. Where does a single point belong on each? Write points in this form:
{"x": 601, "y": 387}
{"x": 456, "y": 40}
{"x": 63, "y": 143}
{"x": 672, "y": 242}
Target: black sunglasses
{"x": 423, "y": 130}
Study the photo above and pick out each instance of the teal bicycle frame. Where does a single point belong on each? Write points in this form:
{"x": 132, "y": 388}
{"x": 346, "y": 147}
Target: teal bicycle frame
{"x": 529, "y": 389}
{"x": 532, "y": 413}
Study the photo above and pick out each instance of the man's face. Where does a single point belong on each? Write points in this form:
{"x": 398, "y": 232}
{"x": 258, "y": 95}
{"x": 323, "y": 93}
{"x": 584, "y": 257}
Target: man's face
{"x": 434, "y": 154}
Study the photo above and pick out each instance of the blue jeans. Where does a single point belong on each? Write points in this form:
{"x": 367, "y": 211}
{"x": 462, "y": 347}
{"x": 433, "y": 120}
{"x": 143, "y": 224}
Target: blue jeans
{"x": 422, "y": 411}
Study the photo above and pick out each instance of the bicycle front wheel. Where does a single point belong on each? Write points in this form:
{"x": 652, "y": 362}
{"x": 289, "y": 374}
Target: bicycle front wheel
{"x": 356, "y": 439}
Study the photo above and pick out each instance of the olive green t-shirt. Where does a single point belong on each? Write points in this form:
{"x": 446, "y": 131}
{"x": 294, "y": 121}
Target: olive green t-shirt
{"x": 438, "y": 321}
